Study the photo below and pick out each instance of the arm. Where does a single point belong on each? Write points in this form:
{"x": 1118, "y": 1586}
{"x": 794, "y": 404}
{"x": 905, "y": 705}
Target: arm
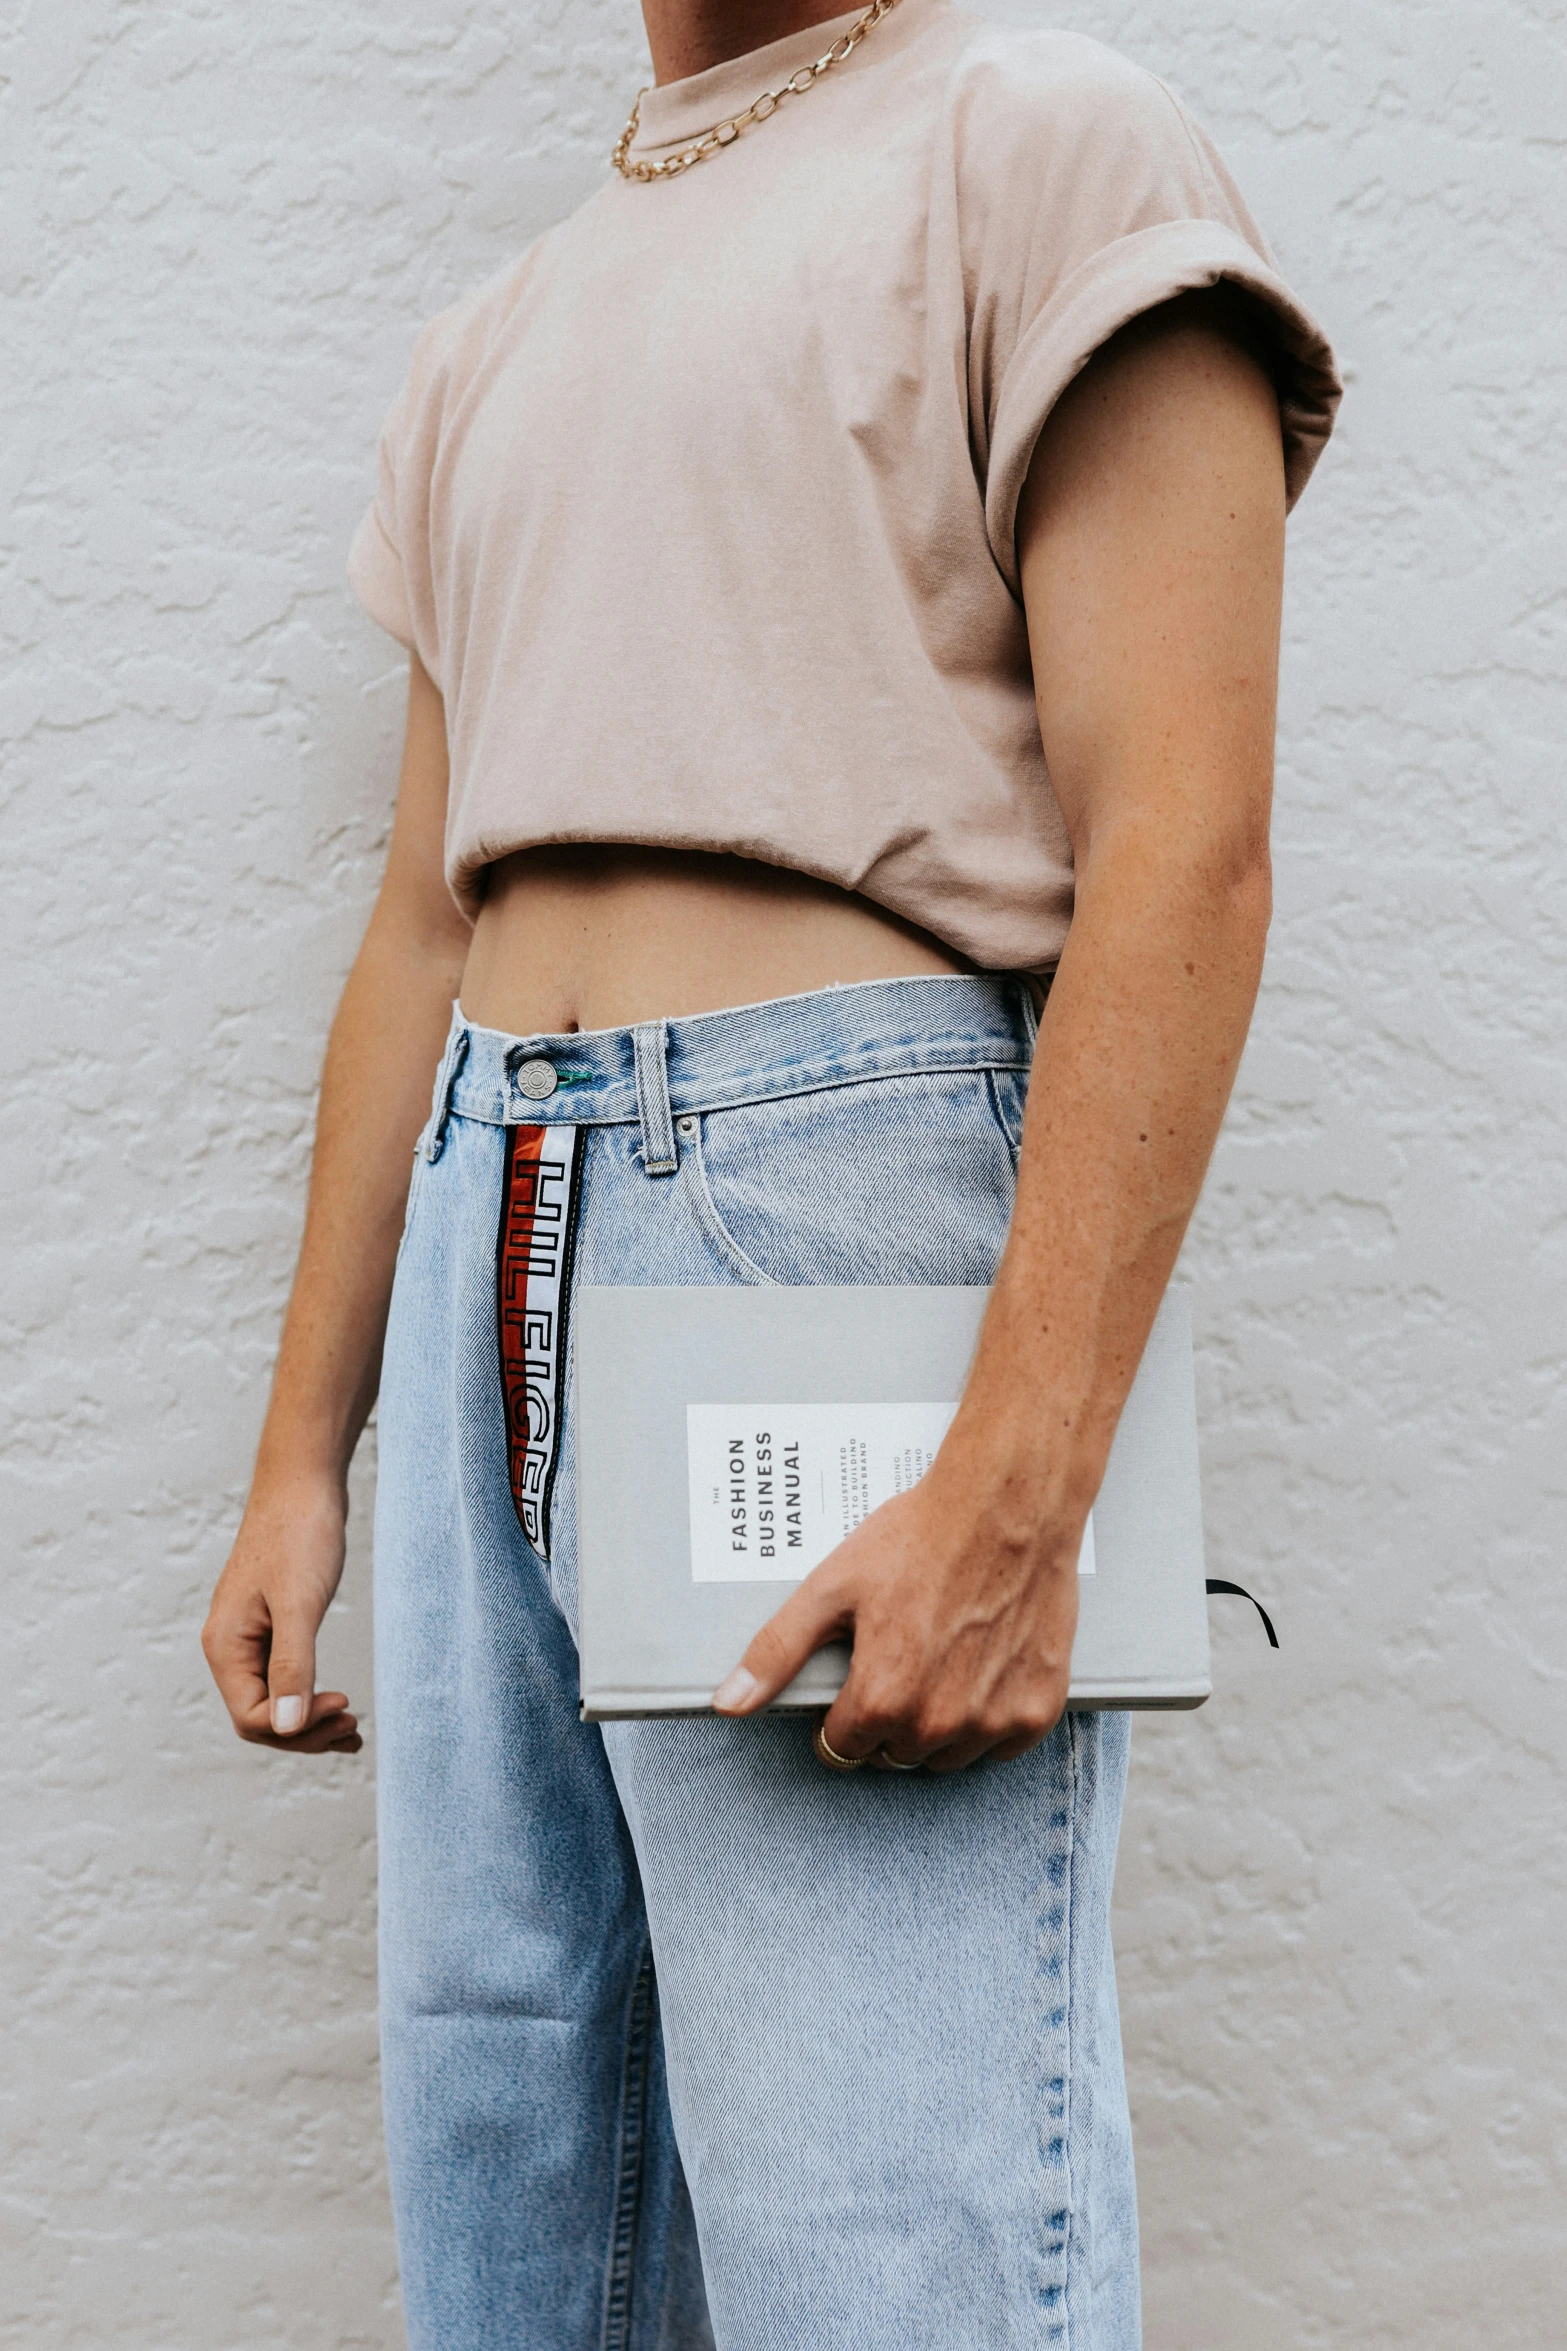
{"x": 260, "y": 1634}
{"x": 1151, "y": 539}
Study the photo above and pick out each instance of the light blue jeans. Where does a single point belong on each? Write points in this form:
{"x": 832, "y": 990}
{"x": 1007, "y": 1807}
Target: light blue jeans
{"x": 687, "y": 2040}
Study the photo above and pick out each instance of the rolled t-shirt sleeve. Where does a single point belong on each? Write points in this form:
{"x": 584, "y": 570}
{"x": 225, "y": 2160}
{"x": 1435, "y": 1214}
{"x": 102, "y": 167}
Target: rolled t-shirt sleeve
{"x": 1091, "y": 197}
{"x": 375, "y": 573}
{"x": 389, "y": 561}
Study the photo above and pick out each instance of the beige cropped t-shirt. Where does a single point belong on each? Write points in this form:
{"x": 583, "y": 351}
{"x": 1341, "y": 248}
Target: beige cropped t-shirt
{"x": 701, "y": 514}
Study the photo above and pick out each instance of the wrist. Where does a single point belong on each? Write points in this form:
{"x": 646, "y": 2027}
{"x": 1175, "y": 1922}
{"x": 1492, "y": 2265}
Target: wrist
{"x": 309, "y": 1435}
{"x": 1033, "y": 1471}
{"x": 292, "y": 1473}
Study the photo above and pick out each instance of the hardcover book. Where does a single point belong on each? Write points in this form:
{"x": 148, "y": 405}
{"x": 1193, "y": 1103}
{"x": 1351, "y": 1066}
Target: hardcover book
{"x": 728, "y": 1439}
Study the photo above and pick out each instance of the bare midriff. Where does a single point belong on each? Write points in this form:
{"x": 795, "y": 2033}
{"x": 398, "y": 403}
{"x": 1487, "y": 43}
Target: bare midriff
{"x": 596, "y": 937}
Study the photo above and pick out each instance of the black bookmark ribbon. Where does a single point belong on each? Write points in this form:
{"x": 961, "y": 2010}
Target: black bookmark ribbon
{"x": 1216, "y": 1583}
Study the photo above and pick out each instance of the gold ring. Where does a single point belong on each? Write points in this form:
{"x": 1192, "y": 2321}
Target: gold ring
{"x": 892, "y": 1763}
{"x": 830, "y": 1755}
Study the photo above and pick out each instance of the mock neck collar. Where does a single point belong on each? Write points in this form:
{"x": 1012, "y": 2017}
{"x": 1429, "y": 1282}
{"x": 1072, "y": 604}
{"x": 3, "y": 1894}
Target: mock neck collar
{"x": 675, "y": 111}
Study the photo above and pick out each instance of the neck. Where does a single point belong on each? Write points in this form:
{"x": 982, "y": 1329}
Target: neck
{"x": 687, "y": 36}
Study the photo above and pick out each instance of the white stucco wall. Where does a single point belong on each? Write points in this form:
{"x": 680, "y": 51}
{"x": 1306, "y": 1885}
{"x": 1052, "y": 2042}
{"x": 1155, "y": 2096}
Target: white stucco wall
{"x": 1342, "y": 1904}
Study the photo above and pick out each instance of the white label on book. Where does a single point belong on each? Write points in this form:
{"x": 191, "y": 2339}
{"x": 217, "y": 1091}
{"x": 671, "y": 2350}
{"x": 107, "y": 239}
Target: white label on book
{"x": 775, "y": 1487}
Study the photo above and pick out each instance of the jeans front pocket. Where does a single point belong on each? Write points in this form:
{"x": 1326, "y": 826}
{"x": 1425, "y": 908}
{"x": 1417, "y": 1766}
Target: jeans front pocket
{"x": 705, "y": 1208}
{"x": 1009, "y": 1096}
{"x": 415, "y": 1187}
{"x": 888, "y": 1180}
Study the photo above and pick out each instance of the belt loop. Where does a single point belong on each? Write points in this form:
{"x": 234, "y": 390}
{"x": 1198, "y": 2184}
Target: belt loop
{"x": 445, "y": 1086}
{"x": 650, "y": 1045}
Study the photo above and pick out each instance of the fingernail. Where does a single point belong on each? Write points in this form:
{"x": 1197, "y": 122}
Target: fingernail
{"x": 737, "y": 1690}
{"x": 287, "y": 1715}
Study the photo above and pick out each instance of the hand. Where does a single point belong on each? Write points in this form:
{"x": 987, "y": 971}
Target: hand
{"x": 260, "y": 1633}
{"x": 961, "y": 1603}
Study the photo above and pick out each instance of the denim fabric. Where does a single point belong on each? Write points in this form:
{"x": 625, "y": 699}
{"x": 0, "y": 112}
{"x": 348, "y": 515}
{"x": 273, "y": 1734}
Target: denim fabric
{"x": 688, "y": 2041}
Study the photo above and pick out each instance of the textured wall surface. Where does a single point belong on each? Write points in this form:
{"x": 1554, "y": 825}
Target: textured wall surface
{"x": 1342, "y": 1901}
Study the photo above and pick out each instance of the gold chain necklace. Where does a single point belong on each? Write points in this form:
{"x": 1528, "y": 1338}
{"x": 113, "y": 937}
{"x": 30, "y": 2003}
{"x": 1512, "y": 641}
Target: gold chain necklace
{"x": 725, "y": 133}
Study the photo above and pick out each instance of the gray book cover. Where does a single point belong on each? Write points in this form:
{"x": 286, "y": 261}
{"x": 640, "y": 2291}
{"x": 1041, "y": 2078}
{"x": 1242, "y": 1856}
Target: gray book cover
{"x": 727, "y": 1438}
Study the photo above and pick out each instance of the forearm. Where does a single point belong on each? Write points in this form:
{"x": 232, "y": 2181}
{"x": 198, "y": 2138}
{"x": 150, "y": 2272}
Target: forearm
{"x": 375, "y": 1095}
{"x": 260, "y": 1634}
{"x": 1150, "y": 546}
{"x": 1137, "y": 1053}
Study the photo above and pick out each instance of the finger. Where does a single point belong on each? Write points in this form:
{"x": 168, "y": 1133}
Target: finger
{"x": 818, "y": 1611}
{"x": 349, "y": 1744}
{"x": 291, "y": 1666}
{"x": 235, "y": 1647}
{"x": 982, "y": 1747}
{"x": 889, "y": 1756}
{"x": 322, "y": 1737}
{"x": 330, "y": 1720}
{"x": 828, "y": 1754}
{"x": 339, "y": 1732}
{"x": 1007, "y": 1750}
{"x": 328, "y": 1731}
{"x": 860, "y": 1725}
{"x": 958, "y": 1755}
{"x": 257, "y": 1724}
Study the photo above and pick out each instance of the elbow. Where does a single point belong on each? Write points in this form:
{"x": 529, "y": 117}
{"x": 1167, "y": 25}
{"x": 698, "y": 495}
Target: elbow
{"x": 1239, "y": 909}
{"x": 1220, "y": 894}
{"x": 1200, "y": 881}
{"x": 1248, "y": 891}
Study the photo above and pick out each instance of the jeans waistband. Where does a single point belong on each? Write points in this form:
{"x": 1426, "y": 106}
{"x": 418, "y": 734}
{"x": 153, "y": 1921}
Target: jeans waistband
{"x": 717, "y": 1060}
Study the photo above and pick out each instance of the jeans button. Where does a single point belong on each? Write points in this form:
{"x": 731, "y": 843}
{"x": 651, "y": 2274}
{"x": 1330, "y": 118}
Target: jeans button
{"x": 537, "y": 1080}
